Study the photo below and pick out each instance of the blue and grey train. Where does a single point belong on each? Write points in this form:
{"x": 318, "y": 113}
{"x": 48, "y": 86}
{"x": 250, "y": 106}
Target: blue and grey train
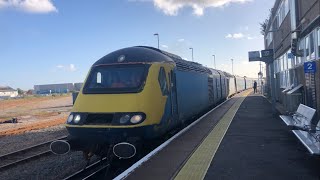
{"x": 137, "y": 94}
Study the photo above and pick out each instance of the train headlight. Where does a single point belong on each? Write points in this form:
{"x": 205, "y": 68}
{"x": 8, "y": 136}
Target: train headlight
{"x": 77, "y": 118}
{"x": 136, "y": 119}
{"x": 70, "y": 118}
{"x": 124, "y": 119}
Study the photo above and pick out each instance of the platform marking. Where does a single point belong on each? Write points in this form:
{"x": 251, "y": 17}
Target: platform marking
{"x": 198, "y": 164}
{"x": 127, "y": 172}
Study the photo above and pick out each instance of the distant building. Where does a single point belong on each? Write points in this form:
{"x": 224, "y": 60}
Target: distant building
{"x": 53, "y": 88}
{"x": 77, "y": 86}
{"x": 6, "y": 92}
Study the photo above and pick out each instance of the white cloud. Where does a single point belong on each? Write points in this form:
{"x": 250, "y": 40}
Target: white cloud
{"x": 181, "y": 40}
{"x": 70, "y": 67}
{"x": 2, "y": 3}
{"x": 171, "y": 7}
{"x": 60, "y": 66}
{"x": 235, "y": 36}
{"x": 164, "y": 46}
{"x": 238, "y": 35}
{"x": 31, "y": 6}
{"x": 229, "y": 36}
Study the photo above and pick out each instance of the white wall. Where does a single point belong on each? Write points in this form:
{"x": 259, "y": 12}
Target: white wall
{"x": 9, "y": 94}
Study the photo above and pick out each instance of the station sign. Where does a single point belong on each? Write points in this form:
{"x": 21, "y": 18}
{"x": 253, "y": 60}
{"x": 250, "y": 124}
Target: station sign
{"x": 309, "y": 67}
{"x": 254, "y": 56}
{"x": 266, "y": 56}
{"x": 268, "y": 53}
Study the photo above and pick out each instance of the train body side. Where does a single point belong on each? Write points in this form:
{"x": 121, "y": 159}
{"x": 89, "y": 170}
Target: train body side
{"x": 240, "y": 83}
{"x": 224, "y": 86}
{"x": 193, "y": 95}
{"x": 232, "y": 86}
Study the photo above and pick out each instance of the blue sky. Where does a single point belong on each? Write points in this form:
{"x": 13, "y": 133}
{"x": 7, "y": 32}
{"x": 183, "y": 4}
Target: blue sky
{"x": 44, "y": 42}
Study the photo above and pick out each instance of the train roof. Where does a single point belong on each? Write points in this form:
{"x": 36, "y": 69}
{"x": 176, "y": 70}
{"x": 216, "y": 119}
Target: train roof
{"x": 182, "y": 64}
{"x": 133, "y": 54}
{"x": 227, "y": 74}
{"x": 149, "y": 54}
{"x": 214, "y": 71}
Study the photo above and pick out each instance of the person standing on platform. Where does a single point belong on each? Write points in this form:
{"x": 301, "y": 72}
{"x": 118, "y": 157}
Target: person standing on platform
{"x": 255, "y": 86}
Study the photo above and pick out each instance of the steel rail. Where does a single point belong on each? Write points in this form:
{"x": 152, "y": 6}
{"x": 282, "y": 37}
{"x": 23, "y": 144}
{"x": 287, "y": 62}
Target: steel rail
{"x": 21, "y": 152}
{"x": 83, "y": 173}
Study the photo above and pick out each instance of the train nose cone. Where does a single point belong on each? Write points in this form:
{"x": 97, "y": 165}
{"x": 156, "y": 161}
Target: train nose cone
{"x": 124, "y": 150}
{"x": 60, "y": 147}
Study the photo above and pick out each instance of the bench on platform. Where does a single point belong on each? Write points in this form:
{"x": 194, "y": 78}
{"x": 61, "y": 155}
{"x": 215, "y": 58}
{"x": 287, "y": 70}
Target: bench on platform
{"x": 310, "y": 139}
{"x": 301, "y": 119}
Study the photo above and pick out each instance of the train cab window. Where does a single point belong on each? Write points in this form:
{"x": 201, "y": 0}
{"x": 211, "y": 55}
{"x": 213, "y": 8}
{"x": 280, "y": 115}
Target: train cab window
{"x": 116, "y": 79}
{"x": 163, "y": 81}
{"x": 99, "y": 78}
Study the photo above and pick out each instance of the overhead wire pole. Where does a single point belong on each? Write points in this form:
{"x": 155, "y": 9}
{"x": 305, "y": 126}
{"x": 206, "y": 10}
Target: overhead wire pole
{"x": 156, "y": 34}
{"x": 214, "y": 61}
{"x": 191, "y": 53}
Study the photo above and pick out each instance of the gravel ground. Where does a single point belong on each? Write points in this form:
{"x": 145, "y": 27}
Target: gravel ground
{"x": 16, "y": 142}
{"x": 50, "y": 167}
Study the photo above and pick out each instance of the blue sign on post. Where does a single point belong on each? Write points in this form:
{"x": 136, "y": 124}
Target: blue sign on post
{"x": 290, "y": 56}
{"x": 310, "y": 67}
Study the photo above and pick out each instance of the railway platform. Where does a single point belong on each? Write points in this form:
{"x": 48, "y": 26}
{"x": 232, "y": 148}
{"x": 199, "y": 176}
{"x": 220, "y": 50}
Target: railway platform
{"x": 240, "y": 139}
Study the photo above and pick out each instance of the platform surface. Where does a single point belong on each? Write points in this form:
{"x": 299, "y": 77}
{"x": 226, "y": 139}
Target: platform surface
{"x": 239, "y": 140}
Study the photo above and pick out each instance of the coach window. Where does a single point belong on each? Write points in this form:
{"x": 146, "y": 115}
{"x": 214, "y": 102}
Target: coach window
{"x": 163, "y": 81}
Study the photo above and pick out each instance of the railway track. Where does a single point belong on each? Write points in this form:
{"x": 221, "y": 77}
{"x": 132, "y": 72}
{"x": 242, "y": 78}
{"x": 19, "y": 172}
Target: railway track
{"x": 91, "y": 171}
{"x": 27, "y": 154}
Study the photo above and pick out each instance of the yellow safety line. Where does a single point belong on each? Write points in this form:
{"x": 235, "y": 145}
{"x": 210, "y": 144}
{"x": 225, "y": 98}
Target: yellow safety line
{"x": 198, "y": 164}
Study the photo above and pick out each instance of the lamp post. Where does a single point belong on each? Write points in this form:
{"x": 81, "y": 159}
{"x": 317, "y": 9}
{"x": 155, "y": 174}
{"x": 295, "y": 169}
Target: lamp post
{"x": 232, "y": 66}
{"x": 156, "y": 34}
{"x": 191, "y": 53}
{"x": 214, "y": 61}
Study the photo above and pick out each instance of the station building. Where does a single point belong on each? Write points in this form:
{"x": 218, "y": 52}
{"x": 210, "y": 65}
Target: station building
{"x": 293, "y": 32}
{"x": 7, "y": 92}
{"x": 53, "y": 88}
{"x": 77, "y": 86}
